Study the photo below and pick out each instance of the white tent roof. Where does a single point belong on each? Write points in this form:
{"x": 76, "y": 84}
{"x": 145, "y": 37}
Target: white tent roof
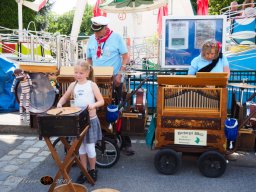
{"x": 144, "y": 7}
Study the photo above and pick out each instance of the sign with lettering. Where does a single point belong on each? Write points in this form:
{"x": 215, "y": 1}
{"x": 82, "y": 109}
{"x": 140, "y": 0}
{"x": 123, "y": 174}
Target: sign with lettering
{"x": 190, "y": 137}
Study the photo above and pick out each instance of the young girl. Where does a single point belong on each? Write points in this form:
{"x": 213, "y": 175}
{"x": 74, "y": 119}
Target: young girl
{"x": 86, "y": 93}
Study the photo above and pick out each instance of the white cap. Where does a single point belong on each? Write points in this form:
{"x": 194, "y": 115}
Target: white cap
{"x": 100, "y": 20}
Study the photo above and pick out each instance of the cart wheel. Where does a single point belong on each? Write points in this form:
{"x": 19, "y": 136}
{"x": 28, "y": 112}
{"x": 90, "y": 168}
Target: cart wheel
{"x": 212, "y": 164}
{"x": 167, "y": 161}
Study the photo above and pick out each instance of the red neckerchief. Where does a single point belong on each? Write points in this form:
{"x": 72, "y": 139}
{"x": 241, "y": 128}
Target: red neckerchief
{"x": 102, "y": 40}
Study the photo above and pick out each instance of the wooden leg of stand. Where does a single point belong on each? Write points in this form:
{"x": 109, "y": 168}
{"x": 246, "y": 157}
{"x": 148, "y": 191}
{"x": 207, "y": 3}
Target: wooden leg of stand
{"x": 64, "y": 168}
{"x": 61, "y": 166}
{"x": 74, "y": 148}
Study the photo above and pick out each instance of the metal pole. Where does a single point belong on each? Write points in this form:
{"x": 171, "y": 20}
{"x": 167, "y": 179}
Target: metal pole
{"x": 20, "y": 20}
{"x": 58, "y": 51}
{"x": 79, "y": 12}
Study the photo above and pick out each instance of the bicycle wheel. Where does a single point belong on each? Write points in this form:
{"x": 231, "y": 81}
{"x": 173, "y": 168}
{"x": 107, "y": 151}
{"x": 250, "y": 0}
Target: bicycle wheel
{"x": 107, "y": 153}
{"x": 55, "y": 142}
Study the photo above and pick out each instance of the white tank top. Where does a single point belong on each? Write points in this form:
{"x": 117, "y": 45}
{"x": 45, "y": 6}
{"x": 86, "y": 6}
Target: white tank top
{"x": 83, "y": 94}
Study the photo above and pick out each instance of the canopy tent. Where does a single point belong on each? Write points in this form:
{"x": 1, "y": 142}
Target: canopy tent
{"x": 37, "y": 5}
{"x": 8, "y": 100}
{"x": 131, "y": 6}
{"x": 127, "y": 17}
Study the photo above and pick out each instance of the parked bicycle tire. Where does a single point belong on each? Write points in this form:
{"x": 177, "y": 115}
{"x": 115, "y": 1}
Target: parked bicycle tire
{"x": 55, "y": 142}
{"x": 107, "y": 153}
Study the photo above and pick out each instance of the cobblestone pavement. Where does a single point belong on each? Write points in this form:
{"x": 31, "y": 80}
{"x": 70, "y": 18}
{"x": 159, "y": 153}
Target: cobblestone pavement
{"x": 21, "y": 160}
{"x": 25, "y": 158}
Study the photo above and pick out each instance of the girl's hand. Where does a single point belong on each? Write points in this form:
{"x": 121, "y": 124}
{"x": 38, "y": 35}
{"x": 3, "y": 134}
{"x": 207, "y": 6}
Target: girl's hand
{"x": 59, "y": 105}
{"x": 91, "y": 107}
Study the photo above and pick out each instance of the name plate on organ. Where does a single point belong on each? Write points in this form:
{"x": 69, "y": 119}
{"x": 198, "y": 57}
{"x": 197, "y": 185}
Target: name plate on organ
{"x": 190, "y": 122}
{"x": 190, "y": 137}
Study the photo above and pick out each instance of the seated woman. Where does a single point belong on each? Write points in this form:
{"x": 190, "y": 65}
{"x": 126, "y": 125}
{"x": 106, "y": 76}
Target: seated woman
{"x": 248, "y": 9}
{"x": 210, "y": 59}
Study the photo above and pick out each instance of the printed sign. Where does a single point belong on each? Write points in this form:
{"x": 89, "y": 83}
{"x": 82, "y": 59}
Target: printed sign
{"x": 190, "y": 137}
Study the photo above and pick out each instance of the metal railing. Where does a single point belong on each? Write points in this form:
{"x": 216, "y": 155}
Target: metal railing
{"x": 248, "y": 77}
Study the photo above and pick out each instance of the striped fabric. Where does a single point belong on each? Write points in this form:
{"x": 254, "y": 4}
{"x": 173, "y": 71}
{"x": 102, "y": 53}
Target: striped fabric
{"x": 94, "y": 133}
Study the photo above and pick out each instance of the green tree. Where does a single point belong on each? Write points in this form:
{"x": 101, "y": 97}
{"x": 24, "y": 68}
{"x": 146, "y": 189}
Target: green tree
{"x": 86, "y": 23}
{"x": 63, "y": 23}
{"x": 214, "y": 5}
{"x": 9, "y": 14}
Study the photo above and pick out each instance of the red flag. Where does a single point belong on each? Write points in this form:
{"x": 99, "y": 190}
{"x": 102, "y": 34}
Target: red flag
{"x": 97, "y": 11}
{"x": 35, "y": 5}
{"x": 202, "y": 7}
{"x": 162, "y": 11}
{"x": 42, "y": 4}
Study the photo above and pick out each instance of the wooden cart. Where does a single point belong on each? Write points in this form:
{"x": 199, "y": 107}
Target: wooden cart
{"x": 191, "y": 112}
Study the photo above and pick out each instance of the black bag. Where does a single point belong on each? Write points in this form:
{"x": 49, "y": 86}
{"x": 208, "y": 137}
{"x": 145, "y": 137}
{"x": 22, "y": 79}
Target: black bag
{"x": 209, "y": 67}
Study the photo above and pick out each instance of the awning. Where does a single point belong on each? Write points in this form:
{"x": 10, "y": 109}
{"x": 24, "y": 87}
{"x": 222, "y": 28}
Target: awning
{"x": 36, "y": 5}
{"x": 131, "y": 6}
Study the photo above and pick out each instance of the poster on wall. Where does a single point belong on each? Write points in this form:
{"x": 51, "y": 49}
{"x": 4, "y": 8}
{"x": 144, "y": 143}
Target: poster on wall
{"x": 204, "y": 29}
{"x": 183, "y": 38}
{"x": 178, "y": 35}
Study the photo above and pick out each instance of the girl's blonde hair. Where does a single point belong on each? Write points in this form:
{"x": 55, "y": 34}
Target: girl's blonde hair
{"x": 208, "y": 45}
{"x": 85, "y": 66}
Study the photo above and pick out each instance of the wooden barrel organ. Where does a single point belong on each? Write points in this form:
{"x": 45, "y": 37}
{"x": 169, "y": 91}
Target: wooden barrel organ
{"x": 192, "y": 107}
{"x": 191, "y": 112}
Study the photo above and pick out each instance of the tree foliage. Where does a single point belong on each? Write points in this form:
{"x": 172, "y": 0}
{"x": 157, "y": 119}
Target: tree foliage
{"x": 63, "y": 23}
{"x": 44, "y": 19}
{"x": 9, "y": 14}
{"x": 86, "y": 23}
{"x": 214, "y": 5}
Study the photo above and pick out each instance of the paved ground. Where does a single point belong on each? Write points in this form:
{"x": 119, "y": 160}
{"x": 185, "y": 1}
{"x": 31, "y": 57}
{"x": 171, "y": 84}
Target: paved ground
{"x": 20, "y": 155}
{"x": 22, "y": 172}
{"x": 24, "y": 159}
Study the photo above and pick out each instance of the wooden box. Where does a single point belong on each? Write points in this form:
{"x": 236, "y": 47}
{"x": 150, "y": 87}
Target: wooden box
{"x": 136, "y": 127}
{"x": 246, "y": 142}
{"x": 63, "y": 125}
{"x": 190, "y": 107}
{"x": 38, "y": 68}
